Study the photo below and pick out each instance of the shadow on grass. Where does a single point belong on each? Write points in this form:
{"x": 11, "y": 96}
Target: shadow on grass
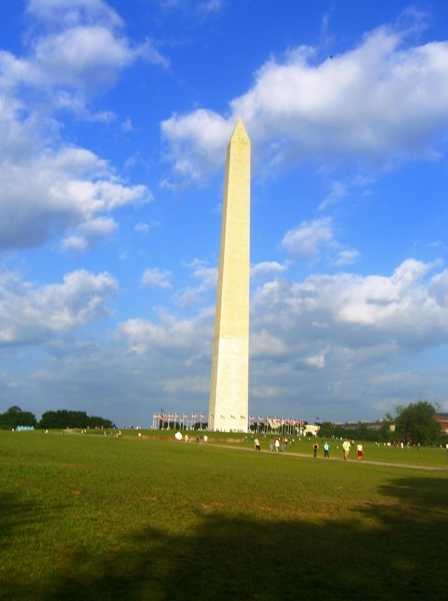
{"x": 397, "y": 553}
{"x": 24, "y": 518}
{"x": 15, "y": 514}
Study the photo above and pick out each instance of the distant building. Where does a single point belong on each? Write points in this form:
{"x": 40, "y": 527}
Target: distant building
{"x": 442, "y": 418}
{"x": 375, "y": 426}
{"x": 311, "y": 430}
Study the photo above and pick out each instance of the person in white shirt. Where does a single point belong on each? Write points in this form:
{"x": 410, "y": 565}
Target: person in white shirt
{"x": 359, "y": 451}
{"x": 346, "y": 449}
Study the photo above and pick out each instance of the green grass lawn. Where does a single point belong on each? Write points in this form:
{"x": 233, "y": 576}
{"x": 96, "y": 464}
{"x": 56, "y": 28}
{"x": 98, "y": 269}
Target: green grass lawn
{"x": 413, "y": 455}
{"x": 93, "y": 517}
{"x": 431, "y": 456}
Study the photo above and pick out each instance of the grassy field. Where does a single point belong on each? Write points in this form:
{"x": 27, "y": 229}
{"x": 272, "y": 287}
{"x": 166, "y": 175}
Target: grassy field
{"x": 93, "y": 517}
{"x": 435, "y": 456}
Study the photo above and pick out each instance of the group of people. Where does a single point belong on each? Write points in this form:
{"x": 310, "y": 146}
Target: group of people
{"x": 346, "y": 447}
{"x": 277, "y": 444}
{"x": 178, "y": 436}
{"x": 281, "y": 444}
{"x": 326, "y": 449}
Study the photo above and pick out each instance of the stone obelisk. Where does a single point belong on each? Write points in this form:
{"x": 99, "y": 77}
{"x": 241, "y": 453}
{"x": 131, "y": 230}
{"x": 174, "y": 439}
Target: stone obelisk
{"x": 228, "y": 405}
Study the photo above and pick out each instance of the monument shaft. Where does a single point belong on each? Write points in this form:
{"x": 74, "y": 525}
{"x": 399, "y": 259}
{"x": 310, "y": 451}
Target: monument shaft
{"x": 228, "y": 406}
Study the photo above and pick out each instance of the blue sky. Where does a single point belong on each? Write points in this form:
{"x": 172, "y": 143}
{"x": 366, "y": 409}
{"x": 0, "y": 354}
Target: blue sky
{"x": 114, "y": 119}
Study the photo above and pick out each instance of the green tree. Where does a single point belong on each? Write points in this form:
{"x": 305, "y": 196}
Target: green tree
{"x": 327, "y": 430}
{"x": 64, "y": 418}
{"x": 416, "y": 423}
{"x": 14, "y": 416}
{"x": 99, "y": 422}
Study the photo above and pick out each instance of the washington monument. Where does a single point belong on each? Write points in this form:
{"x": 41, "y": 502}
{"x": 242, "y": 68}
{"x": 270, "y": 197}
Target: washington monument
{"x": 228, "y": 405}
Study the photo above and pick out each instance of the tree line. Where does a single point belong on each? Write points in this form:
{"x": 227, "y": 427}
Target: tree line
{"x": 414, "y": 424}
{"x": 62, "y": 418}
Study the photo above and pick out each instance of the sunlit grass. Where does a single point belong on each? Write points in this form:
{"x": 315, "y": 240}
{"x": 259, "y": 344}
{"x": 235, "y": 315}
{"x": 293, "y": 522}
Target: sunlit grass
{"x": 94, "y": 517}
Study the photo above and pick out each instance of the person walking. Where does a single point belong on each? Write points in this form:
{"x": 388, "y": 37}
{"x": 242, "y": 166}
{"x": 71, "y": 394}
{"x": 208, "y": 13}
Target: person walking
{"x": 346, "y": 449}
{"x": 315, "y": 449}
{"x": 359, "y": 451}
{"x": 257, "y": 444}
{"x": 277, "y": 445}
{"x": 326, "y": 450}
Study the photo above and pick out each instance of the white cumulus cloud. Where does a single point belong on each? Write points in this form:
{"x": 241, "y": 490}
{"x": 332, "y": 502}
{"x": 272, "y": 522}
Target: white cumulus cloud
{"x": 156, "y": 278}
{"x": 309, "y": 237}
{"x": 347, "y": 256}
{"x": 89, "y": 232}
{"x": 73, "y": 12}
{"x": 169, "y": 335}
{"x": 31, "y": 314}
{"x": 343, "y": 107}
{"x": 50, "y": 188}
{"x": 205, "y": 278}
{"x": 266, "y": 268}
{"x": 337, "y": 346}
{"x": 55, "y": 190}
{"x": 74, "y": 48}
{"x": 408, "y": 307}
{"x": 336, "y": 343}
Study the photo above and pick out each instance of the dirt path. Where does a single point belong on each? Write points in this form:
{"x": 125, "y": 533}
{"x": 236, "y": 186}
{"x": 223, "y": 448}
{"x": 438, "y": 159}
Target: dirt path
{"x": 425, "y": 468}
